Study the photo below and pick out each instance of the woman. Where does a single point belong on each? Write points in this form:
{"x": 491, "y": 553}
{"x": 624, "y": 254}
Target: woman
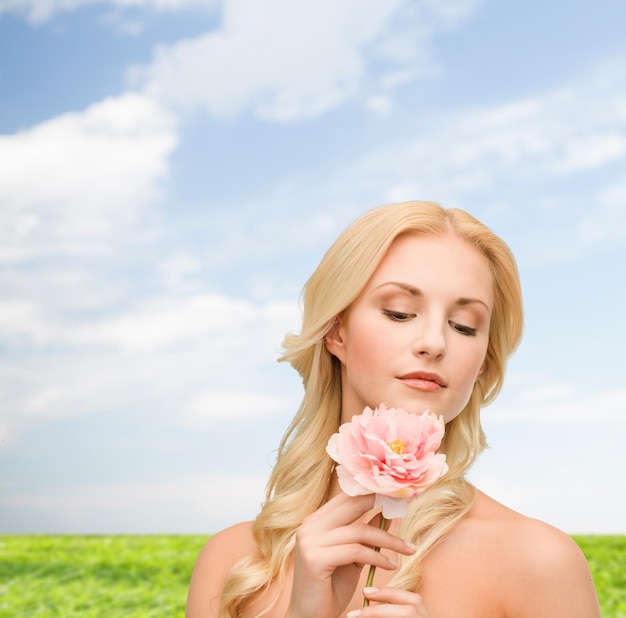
{"x": 415, "y": 307}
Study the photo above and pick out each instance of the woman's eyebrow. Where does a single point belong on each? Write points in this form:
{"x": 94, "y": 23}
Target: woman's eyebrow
{"x": 471, "y": 301}
{"x": 411, "y": 289}
{"x": 414, "y": 291}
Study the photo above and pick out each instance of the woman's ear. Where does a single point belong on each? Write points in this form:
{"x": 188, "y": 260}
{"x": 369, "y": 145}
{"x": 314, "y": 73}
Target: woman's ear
{"x": 482, "y": 369}
{"x": 335, "y": 339}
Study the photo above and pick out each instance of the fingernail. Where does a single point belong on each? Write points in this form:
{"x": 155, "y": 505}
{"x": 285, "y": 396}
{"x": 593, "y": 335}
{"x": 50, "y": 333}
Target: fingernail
{"x": 354, "y": 613}
{"x": 370, "y": 590}
{"x": 411, "y": 546}
{"x": 393, "y": 563}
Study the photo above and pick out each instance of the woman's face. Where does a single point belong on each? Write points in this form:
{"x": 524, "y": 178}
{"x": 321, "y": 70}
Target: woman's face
{"x": 416, "y": 336}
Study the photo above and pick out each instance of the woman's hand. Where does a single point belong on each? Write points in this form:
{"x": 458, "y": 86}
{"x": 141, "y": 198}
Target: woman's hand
{"x": 391, "y": 603}
{"x": 332, "y": 547}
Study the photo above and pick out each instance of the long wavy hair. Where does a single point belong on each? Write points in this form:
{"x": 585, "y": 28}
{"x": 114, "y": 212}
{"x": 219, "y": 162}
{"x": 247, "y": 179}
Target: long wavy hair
{"x": 301, "y": 477}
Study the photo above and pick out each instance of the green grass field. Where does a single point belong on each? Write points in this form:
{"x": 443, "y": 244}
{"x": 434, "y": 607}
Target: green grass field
{"x": 148, "y": 576}
{"x": 607, "y": 561}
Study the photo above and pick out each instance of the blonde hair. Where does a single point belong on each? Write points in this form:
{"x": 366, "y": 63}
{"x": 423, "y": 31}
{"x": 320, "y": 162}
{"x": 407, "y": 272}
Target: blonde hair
{"x": 301, "y": 477}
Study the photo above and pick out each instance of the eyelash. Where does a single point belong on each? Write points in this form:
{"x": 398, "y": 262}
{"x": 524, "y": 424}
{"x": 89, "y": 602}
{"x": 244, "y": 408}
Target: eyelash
{"x": 464, "y": 330}
{"x": 398, "y": 316}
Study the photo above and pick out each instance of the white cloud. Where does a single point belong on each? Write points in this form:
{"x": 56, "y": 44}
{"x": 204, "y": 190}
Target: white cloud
{"x": 160, "y": 324}
{"x": 452, "y": 11}
{"x": 208, "y": 408}
{"x": 556, "y": 455}
{"x": 604, "y": 221}
{"x": 22, "y": 317}
{"x": 575, "y": 503}
{"x": 37, "y": 11}
{"x": 528, "y": 140}
{"x": 380, "y": 105}
{"x": 70, "y": 184}
{"x": 285, "y": 60}
{"x": 561, "y": 404}
{"x": 164, "y": 324}
{"x": 207, "y": 504}
{"x": 179, "y": 356}
{"x": 592, "y": 150}
{"x": 176, "y": 268}
{"x": 513, "y": 165}
{"x": 516, "y": 163}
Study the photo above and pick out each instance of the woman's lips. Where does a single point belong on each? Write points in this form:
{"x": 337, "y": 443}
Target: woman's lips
{"x": 424, "y": 381}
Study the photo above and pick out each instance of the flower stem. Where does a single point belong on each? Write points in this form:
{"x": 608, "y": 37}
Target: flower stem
{"x": 370, "y": 575}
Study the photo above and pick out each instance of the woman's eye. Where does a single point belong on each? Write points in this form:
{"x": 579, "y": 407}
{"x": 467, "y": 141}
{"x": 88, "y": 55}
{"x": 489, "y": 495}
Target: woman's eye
{"x": 398, "y": 316}
{"x": 464, "y": 330}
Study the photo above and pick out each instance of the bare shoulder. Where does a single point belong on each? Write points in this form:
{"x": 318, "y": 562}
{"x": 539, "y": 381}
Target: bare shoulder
{"x": 546, "y": 572}
{"x": 214, "y": 562}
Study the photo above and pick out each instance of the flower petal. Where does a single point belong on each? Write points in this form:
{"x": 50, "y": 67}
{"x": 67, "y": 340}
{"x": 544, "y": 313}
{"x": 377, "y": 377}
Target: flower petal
{"x": 369, "y": 464}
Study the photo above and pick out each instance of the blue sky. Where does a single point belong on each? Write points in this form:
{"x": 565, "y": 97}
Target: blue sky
{"x": 171, "y": 171}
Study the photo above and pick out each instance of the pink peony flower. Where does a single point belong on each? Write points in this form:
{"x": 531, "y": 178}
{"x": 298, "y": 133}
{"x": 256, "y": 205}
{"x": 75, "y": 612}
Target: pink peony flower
{"x": 391, "y": 453}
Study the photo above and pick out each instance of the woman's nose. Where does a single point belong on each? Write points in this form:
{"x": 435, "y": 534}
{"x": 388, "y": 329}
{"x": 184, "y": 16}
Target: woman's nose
{"x": 429, "y": 339}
